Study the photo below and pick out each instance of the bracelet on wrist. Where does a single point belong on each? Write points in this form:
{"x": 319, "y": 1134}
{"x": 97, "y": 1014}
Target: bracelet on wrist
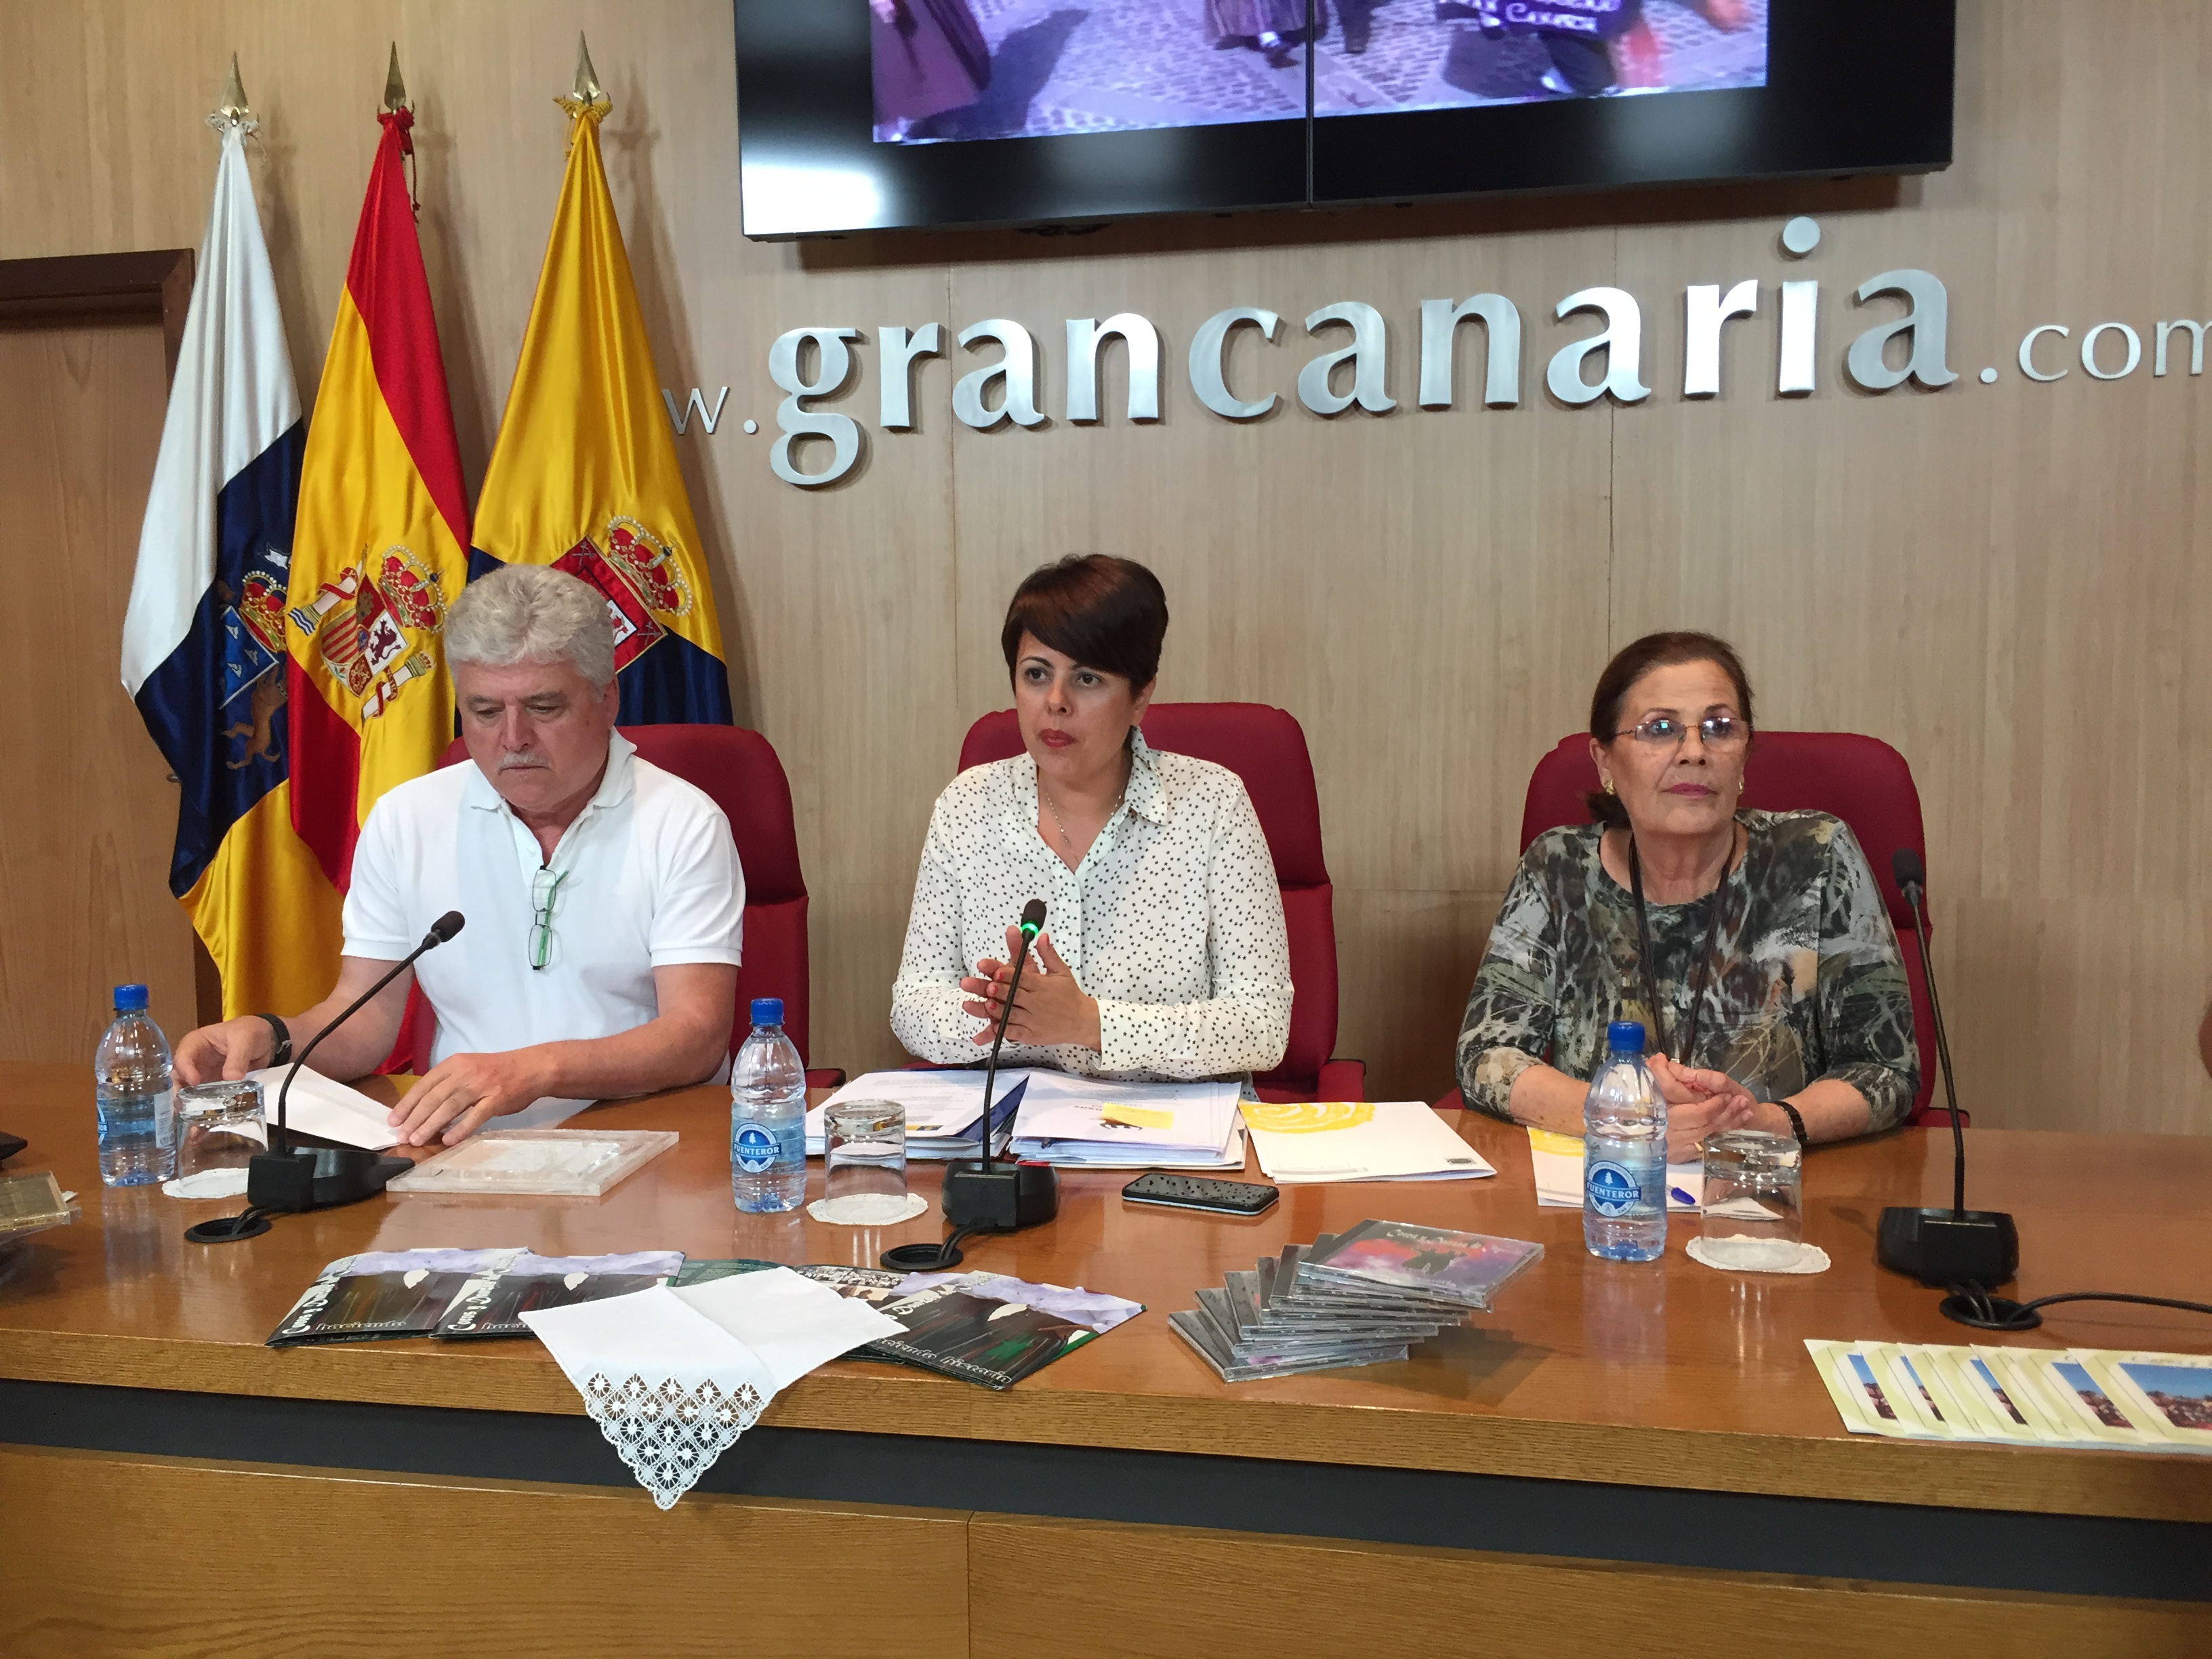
{"x": 1796, "y": 1124}
{"x": 281, "y": 1036}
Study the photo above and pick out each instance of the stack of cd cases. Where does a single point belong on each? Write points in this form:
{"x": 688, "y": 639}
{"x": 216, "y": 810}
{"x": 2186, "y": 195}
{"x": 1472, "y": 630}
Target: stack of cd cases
{"x": 1361, "y": 1298}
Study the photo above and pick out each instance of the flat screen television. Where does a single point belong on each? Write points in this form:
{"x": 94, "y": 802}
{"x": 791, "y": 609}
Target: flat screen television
{"x": 876, "y": 114}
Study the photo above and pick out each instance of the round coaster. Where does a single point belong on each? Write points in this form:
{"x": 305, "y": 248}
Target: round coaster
{"x": 1802, "y": 1259}
{"x": 207, "y": 1183}
{"x": 869, "y": 1210}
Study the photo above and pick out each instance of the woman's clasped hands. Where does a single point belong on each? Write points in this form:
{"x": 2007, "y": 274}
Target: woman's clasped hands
{"x": 1050, "y": 1009}
{"x": 1699, "y": 1104}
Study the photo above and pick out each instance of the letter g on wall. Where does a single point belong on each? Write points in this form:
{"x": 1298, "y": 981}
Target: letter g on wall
{"x": 833, "y": 364}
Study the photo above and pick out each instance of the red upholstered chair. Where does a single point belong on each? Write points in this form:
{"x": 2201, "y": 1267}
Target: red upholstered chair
{"x": 1266, "y": 748}
{"x": 740, "y": 771}
{"x": 1861, "y": 780}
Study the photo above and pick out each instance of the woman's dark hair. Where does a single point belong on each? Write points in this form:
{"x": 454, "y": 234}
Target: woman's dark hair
{"x": 1107, "y": 613}
{"x": 1631, "y": 664}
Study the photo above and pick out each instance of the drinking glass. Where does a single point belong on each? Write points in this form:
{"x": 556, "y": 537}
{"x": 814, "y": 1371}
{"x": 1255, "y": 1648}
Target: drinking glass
{"x": 220, "y": 1125}
{"x": 1754, "y": 1213}
{"x": 864, "y": 1161}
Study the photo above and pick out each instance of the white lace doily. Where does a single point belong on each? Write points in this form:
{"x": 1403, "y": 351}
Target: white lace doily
{"x": 673, "y": 1377}
{"x": 667, "y": 1434}
{"x": 868, "y": 1210}
{"x": 1774, "y": 1258}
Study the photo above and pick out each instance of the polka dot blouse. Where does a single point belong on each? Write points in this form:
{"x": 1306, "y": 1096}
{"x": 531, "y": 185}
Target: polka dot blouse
{"x": 1173, "y": 921}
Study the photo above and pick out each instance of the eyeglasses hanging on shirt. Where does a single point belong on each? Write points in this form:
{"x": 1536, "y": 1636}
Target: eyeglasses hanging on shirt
{"x": 544, "y": 884}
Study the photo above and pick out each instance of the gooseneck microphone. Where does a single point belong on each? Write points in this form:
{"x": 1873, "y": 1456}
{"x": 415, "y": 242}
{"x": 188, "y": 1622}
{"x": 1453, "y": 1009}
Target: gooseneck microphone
{"x": 281, "y": 1180}
{"x": 440, "y": 930}
{"x": 980, "y": 1196}
{"x": 1967, "y": 1251}
{"x": 1032, "y": 923}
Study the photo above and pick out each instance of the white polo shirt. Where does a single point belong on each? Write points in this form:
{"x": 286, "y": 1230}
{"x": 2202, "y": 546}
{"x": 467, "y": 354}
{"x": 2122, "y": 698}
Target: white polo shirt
{"x": 649, "y": 878}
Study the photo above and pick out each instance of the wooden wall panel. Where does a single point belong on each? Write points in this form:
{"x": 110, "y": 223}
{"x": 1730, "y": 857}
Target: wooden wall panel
{"x": 114, "y": 1556}
{"x": 1325, "y": 1598}
{"x": 89, "y": 817}
{"x": 2009, "y": 582}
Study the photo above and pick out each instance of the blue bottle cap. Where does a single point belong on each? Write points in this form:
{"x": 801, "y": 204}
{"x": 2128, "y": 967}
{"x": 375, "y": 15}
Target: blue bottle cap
{"x": 769, "y": 1010}
{"x": 1624, "y": 1034}
{"x": 129, "y": 998}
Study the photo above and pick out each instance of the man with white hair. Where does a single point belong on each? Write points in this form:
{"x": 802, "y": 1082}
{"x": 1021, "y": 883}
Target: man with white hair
{"x": 603, "y": 896}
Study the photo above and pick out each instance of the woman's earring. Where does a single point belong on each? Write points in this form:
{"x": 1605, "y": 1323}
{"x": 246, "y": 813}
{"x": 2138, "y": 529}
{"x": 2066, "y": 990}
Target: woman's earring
{"x": 1608, "y": 787}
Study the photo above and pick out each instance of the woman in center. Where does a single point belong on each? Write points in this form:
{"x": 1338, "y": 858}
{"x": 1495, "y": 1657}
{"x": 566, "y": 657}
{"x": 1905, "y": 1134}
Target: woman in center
{"x": 1164, "y": 956}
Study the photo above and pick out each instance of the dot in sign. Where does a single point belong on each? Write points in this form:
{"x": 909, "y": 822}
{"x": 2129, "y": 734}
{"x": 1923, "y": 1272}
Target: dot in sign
{"x": 1801, "y": 236}
{"x": 1989, "y": 377}
{"x": 751, "y": 427}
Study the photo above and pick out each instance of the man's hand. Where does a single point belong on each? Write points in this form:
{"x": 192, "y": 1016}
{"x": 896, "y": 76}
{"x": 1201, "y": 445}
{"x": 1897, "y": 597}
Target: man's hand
{"x": 225, "y": 1053}
{"x": 1050, "y": 1010}
{"x": 459, "y": 1094}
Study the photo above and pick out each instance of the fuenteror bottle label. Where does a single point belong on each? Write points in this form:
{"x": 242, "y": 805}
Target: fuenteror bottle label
{"x": 753, "y": 1148}
{"x": 1613, "y": 1190}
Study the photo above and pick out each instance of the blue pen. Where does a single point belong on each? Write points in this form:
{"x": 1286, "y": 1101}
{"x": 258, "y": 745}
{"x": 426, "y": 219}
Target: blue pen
{"x": 1681, "y": 1197}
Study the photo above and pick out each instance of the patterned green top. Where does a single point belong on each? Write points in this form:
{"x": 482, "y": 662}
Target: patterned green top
{"x": 1806, "y": 982}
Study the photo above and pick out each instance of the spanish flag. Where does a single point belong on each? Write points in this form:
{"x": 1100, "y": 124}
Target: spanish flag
{"x": 583, "y": 475}
{"x": 380, "y": 545}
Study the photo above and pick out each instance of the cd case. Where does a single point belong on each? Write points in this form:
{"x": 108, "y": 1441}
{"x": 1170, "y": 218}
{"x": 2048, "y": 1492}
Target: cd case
{"x": 32, "y": 1203}
{"x": 539, "y": 1163}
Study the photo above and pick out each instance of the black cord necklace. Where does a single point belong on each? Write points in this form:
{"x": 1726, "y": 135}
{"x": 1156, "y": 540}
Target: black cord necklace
{"x": 1698, "y": 974}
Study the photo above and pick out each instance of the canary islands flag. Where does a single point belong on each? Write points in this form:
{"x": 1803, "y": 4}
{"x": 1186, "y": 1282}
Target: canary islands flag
{"x": 204, "y": 636}
{"x": 584, "y": 475}
{"x": 383, "y": 534}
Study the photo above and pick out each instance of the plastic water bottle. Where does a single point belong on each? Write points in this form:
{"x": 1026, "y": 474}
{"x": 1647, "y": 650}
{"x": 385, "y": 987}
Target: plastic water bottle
{"x": 135, "y": 1089}
{"x": 1625, "y": 1153}
{"x": 768, "y": 1116}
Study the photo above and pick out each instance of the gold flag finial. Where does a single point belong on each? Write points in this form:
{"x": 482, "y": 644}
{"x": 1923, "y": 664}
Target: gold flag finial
{"x": 395, "y": 89}
{"x": 588, "y": 95}
{"x": 233, "y": 111}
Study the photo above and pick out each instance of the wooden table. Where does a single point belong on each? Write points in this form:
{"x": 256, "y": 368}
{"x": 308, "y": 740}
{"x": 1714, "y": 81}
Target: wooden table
{"x": 1653, "y": 1435}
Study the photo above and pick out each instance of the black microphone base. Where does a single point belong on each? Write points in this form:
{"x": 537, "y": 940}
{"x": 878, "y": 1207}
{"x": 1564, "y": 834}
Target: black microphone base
{"x": 1001, "y": 1198}
{"x": 319, "y": 1177}
{"x": 1949, "y": 1247}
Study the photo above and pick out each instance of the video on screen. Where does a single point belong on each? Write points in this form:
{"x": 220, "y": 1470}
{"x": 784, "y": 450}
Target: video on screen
{"x": 948, "y": 70}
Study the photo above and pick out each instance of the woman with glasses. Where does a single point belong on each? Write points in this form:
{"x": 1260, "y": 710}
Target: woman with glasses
{"x": 1754, "y": 947}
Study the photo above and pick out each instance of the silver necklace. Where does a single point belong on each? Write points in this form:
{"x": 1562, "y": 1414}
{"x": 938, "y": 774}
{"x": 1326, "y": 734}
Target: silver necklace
{"x": 1067, "y": 838}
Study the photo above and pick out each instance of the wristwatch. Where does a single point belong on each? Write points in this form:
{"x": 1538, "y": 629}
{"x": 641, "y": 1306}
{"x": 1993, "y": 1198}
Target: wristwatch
{"x": 281, "y": 1034}
{"x": 1796, "y": 1124}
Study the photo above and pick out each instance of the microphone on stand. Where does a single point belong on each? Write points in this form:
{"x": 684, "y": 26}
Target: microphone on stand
{"x": 284, "y": 1180}
{"x": 1967, "y": 1251}
{"x": 978, "y": 1196}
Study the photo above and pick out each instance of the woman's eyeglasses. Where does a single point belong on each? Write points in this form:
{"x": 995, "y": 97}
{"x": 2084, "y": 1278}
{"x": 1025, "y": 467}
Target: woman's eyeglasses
{"x": 1665, "y": 731}
{"x": 544, "y": 885}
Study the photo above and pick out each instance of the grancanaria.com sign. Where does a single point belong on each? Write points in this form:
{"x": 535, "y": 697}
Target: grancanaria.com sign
{"x": 1909, "y": 342}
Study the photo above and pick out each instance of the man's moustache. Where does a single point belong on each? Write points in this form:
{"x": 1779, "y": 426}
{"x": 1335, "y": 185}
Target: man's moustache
{"x": 525, "y": 758}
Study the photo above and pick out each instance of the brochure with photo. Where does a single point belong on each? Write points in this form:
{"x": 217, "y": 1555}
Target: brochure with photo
{"x": 2169, "y": 1393}
{"x": 493, "y": 1304}
{"x": 980, "y": 1328}
{"x": 384, "y": 1293}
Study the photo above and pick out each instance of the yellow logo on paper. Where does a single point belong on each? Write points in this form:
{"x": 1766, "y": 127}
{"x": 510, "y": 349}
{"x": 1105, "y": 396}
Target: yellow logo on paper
{"x": 1137, "y": 1117}
{"x": 1308, "y": 1117}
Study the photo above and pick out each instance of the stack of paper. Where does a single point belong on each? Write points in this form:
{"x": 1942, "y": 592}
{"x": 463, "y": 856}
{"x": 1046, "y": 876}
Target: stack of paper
{"x": 1358, "y": 1141}
{"x": 943, "y": 1109}
{"x": 1558, "y": 1162}
{"x": 1129, "y": 1125}
{"x": 2082, "y": 1397}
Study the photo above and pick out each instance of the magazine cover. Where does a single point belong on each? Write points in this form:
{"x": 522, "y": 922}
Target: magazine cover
{"x": 956, "y": 1334}
{"x": 707, "y": 1271}
{"x": 492, "y": 1304}
{"x": 1433, "y": 1262}
{"x": 381, "y": 1294}
{"x": 982, "y": 1327}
